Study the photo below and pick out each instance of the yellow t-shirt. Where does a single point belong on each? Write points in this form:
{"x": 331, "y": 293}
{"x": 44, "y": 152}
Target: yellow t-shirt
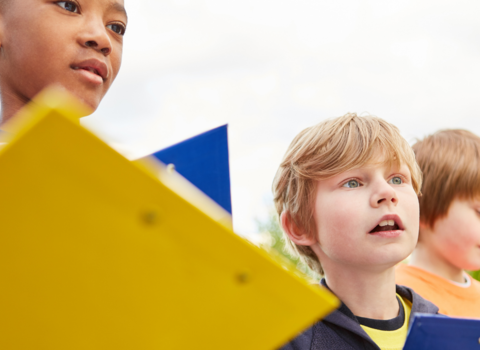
{"x": 391, "y": 340}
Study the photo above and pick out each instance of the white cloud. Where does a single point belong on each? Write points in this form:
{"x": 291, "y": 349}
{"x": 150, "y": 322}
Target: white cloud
{"x": 415, "y": 51}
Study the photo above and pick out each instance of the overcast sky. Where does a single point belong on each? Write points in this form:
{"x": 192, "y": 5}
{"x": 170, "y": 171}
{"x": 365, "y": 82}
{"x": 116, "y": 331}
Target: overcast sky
{"x": 270, "y": 68}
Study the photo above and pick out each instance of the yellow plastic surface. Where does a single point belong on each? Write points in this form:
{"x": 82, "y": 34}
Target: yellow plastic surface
{"x": 98, "y": 253}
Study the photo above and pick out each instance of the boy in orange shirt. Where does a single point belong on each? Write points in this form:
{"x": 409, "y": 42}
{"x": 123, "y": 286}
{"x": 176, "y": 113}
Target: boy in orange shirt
{"x": 449, "y": 241}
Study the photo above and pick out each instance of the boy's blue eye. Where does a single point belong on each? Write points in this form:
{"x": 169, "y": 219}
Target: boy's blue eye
{"x": 397, "y": 180}
{"x": 351, "y": 184}
{"x": 70, "y": 6}
{"x": 117, "y": 28}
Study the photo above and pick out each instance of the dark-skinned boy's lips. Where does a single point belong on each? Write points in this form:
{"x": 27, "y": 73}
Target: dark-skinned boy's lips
{"x": 390, "y": 222}
{"x": 94, "y": 66}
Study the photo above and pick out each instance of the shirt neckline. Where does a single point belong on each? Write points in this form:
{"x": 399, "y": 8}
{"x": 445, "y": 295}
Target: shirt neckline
{"x": 385, "y": 325}
{"x": 466, "y": 284}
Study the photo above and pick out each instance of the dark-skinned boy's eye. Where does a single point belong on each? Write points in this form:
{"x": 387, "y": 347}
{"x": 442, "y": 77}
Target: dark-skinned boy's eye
{"x": 351, "y": 184}
{"x": 70, "y": 6}
{"x": 396, "y": 180}
{"x": 117, "y": 28}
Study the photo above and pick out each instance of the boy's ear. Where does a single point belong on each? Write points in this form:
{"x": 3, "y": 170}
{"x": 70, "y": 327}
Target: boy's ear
{"x": 424, "y": 225}
{"x": 424, "y": 231}
{"x": 296, "y": 234}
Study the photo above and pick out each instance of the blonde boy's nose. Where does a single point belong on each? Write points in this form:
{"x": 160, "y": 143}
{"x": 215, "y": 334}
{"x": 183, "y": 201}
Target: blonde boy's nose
{"x": 385, "y": 195}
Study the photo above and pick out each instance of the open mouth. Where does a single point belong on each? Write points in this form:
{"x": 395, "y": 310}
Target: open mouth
{"x": 386, "y": 225}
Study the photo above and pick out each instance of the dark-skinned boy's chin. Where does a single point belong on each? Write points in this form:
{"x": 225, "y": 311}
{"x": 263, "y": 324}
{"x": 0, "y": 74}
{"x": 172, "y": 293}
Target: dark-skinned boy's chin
{"x": 90, "y": 97}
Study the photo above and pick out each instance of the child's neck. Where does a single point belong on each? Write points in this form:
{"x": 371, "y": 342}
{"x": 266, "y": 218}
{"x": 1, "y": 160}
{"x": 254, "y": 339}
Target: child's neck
{"x": 11, "y": 104}
{"x": 366, "y": 293}
{"x": 429, "y": 260}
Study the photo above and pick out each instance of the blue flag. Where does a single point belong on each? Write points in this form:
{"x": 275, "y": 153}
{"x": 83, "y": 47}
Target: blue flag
{"x": 203, "y": 160}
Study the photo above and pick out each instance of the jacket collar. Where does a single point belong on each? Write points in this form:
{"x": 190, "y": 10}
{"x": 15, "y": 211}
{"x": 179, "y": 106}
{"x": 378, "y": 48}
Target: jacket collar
{"x": 418, "y": 303}
{"x": 343, "y": 316}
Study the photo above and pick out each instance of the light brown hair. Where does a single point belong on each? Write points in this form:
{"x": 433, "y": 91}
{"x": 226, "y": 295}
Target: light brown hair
{"x": 450, "y": 162}
{"x": 325, "y": 150}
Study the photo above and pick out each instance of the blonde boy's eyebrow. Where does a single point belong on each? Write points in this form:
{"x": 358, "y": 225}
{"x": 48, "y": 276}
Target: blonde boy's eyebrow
{"x": 115, "y": 6}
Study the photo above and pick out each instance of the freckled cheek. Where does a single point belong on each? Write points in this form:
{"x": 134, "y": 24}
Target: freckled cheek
{"x": 462, "y": 251}
{"x": 462, "y": 237}
{"x": 337, "y": 225}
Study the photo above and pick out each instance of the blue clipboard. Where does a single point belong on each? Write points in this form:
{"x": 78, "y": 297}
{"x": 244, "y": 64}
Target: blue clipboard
{"x": 443, "y": 333}
{"x": 203, "y": 160}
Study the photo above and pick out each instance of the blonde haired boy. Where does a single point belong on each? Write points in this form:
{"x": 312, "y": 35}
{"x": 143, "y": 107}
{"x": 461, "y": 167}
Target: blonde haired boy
{"x": 346, "y": 193}
{"x": 449, "y": 240}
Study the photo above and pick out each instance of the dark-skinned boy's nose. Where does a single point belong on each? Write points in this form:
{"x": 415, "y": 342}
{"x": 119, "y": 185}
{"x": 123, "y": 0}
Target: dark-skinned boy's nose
{"x": 93, "y": 44}
{"x": 95, "y": 36}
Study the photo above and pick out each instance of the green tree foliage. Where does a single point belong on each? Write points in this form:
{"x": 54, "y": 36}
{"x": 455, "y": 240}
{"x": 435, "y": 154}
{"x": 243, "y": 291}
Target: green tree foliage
{"x": 273, "y": 241}
{"x": 475, "y": 274}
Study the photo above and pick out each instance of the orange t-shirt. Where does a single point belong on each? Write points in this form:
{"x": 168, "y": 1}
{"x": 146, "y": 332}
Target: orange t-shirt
{"x": 451, "y": 298}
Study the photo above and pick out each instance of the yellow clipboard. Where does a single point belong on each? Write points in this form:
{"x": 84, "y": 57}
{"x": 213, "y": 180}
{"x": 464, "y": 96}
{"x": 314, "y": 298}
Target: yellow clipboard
{"x": 97, "y": 252}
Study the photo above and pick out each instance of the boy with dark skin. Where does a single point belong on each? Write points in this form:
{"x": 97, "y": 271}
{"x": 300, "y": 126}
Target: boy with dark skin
{"x": 76, "y": 44}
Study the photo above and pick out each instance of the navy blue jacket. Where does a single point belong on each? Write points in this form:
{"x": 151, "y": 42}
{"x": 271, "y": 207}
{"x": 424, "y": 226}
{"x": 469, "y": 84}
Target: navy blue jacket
{"x": 341, "y": 331}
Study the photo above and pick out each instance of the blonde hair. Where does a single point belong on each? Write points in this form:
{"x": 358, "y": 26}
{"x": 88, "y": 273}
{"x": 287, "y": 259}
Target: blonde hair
{"x": 328, "y": 149}
{"x": 450, "y": 162}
